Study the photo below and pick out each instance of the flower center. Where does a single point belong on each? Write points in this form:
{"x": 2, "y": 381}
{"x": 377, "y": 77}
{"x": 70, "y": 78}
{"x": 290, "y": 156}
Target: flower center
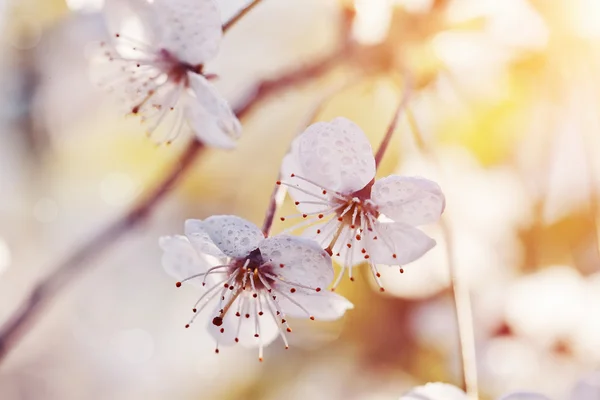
{"x": 251, "y": 274}
{"x": 249, "y": 268}
{"x": 176, "y": 69}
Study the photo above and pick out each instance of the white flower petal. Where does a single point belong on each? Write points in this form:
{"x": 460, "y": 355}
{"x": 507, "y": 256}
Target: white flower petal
{"x": 200, "y": 239}
{"x": 191, "y": 29}
{"x": 336, "y": 154}
{"x": 135, "y": 21}
{"x": 244, "y": 328}
{"x": 210, "y": 116}
{"x": 411, "y": 200}
{"x": 435, "y": 391}
{"x": 290, "y": 165}
{"x": 181, "y": 261}
{"x": 325, "y": 305}
{"x": 524, "y": 396}
{"x": 233, "y": 235}
{"x": 587, "y": 388}
{"x": 304, "y": 262}
{"x": 404, "y": 241}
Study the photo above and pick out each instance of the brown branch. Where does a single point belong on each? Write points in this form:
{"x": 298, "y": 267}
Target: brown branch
{"x": 301, "y": 74}
{"x": 62, "y": 274}
{"x": 227, "y": 25}
{"x": 406, "y": 94}
{"x": 25, "y": 316}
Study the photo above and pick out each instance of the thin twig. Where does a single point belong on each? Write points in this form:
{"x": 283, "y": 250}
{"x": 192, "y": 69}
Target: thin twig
{"x": 302, "y": 73}
{"x": 239, "y": 15}
{"x": 464, "y": 318}
{"x": 25, "y": 316}
{"x": 406, "y": 94}
{"x": 460, "y": 291}
{"x": 279, "y": 191}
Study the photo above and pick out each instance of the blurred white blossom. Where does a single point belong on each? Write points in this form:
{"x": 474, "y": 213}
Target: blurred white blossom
{"x": 155, "y": 61}
{"x": 444, "y": 391}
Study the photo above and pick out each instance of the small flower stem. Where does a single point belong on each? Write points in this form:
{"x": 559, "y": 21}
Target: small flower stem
{"x": 279, "y": 191}
{"x": 240, "y": 14}
{"x": 406, "y": 94}
{"x": 460, "y": 291}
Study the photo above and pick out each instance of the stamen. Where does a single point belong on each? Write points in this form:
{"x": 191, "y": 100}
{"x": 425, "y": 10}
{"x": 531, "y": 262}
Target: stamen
{"x": 376, "y": 275}
{"x": 323, "y": 203}
{"x": 176, "y": 128}
{"x": 133, "y": 41}
{"x": 275, "y": 303}
{"x": 294, "y": 284}
{"x": 170, "y": 102}
{"x": 323, "y": 189}
{"x": 354, "y": 215}
{"x": 224, "y": 292}
{"x": 299, "y": 225}
{"x": 218, "y": 321}
{"x": 208, "y": 272}
{"x": 254, "y": 291}
{"x": 295, "y": 302}
{"x": 245, "y": 277}
{"x": 321, "y": 213}
{"x": 340, "y": 228}
{"x": 256, "y": 322}
{"x": 260, "y": 307}
{"x": 242, "y": 307}
{"x": 303, "y": 190}
{"x": 148, "y": 96}
{"x": 346, "y": 237}
{"x": 281, "y": 332}
{"x": 207, "y": 296}
{"x": 350, "y": 205}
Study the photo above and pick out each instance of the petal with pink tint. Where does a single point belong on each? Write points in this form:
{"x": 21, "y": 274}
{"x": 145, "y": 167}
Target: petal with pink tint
{"x": 297, "y": 262}
{"x": 192, "y": 29}
{"x": 181, "y": 261}
{"x": 411, "y": 200}
{"x": 233, "y": 235}
{"x": 132, "y": 23}
{"x": 210, "y": 116}
{"x": 396, "y": 243}
{"x": 336, "y": 155}
{"x": 324, "y": 306}
{"x": 200, "y": 239}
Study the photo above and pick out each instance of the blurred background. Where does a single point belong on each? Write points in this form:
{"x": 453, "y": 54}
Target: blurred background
{"x": 505, "y": 101}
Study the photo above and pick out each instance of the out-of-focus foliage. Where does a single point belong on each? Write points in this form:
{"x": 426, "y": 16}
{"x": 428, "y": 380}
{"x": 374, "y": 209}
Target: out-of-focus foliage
{"x": 505, "y": 96}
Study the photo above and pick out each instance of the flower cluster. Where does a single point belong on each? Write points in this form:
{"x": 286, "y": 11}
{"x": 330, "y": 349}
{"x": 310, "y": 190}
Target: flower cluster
{"x": 250, "y": 283}
{"x": 257, "y": 282}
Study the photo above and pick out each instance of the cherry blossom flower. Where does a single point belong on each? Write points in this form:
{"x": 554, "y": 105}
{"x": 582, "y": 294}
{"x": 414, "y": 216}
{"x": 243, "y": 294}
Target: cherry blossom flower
{"x": 256, "y": 282}
{"x": 330, "y": 173}
{"x": 156, "y": 60}
{"x": 445, "y": 391}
